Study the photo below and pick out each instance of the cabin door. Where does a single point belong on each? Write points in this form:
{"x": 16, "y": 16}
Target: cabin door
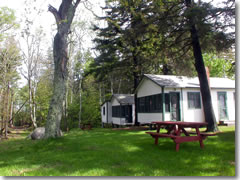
{"x": 175, "y": 106}
{"x": 222, "y": 106}
{"x": 128, "y": 114}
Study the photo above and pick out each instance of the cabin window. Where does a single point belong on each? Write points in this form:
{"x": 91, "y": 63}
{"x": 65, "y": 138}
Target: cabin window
{"x": 119, "y": 111}
{"x": 167, "y": 102}
{"x": 194, "y": 101}
{"x": 104, "y": 110}
{"x": 158, "y": 103}
{"x": 116, "y": 111}
{"x": 151, "y": 104}
{"x": 123, "y": 111}
{"x": 141, "y": 104}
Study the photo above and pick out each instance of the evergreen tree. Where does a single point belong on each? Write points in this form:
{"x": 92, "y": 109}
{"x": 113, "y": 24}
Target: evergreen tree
{"x": 139, "y": 33}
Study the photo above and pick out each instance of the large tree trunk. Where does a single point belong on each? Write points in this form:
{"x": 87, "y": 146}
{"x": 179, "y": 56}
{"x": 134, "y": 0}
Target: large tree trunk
{"x": 200, "y": 67}
{"x": 59, "y": 87}
{"x": 63, "y": 17}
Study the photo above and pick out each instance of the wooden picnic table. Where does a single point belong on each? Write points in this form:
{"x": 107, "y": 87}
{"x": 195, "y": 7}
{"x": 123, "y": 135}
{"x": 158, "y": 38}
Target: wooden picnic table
{"x": 176, "y": 129}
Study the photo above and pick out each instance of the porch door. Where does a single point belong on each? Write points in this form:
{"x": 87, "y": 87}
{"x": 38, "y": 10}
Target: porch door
{"x": 128, "y": 114}
{"x": 222, "y": 106}
{"x": 175, "y": 106}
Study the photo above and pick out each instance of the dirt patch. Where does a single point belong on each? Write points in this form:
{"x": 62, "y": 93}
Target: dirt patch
{"x": 16, "y": 132}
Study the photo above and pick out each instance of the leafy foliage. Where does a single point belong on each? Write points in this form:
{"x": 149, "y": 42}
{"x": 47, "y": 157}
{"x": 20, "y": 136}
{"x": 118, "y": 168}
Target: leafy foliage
{"x": 7, "y": 21}
{"x": 219, "y": 66}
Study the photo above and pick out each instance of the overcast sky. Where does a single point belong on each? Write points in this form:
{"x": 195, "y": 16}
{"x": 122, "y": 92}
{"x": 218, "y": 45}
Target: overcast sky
{"x": 46, "y": 19}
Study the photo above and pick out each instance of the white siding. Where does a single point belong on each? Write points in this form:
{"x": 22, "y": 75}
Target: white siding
{"x": 115, "y": 102}
{"x": 117, "y": 120}
{"x": 108, "y": 112}
{"x": 230, "y": 103}
{"x": 191, "y": 115}
{"x": 148, "y": 88}
{"x": 133, "y": 113}
{"x": 104, "y": 117}
{"x": 145, "y": 118}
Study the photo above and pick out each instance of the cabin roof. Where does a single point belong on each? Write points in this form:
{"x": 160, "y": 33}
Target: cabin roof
{"x": 188, "y": 82}
{"x": 124, "y": 98}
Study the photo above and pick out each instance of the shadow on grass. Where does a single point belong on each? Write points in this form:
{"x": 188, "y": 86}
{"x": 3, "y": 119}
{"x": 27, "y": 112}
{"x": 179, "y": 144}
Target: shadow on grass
{"x": 104, "y": 152}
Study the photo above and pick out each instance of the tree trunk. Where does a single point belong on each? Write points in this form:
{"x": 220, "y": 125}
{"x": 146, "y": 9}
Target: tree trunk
{"x": 30, "y": 93}
{"x": 59, "y": 87}
{"x": 135, "y": 77}
{"x": 80, "y": 103}
{"x": 11, "y": 110}
{"x": 34, "y": 107}
{"x": 65, "y": 105}
{"x": 7, "y": 110}
{"x": 2, "y": 110}
{"x": 119, "y": 86}
{"x": 63, "y": 17}
{"x": 200, "y": 67}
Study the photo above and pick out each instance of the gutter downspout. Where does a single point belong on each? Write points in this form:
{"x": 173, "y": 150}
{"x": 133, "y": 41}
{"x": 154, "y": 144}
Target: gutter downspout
{"x": 182, "y": 108}
{"x": 163, "y": 104}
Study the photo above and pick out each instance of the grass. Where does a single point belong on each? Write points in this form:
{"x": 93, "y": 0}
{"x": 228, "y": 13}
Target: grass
{"x": 107, "y": 152}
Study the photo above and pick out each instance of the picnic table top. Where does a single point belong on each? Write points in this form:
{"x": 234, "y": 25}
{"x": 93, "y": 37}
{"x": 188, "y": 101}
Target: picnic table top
{"x": 186, "y": 124}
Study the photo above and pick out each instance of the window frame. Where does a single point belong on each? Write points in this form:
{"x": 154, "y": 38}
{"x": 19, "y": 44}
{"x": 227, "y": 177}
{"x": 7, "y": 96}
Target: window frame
{"x": 194, "y": 100}
{"x": 104, "y": 109}
{"x": 150, "y": 104}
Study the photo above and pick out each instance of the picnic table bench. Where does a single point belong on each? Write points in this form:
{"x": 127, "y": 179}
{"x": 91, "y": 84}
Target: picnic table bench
{"x": 175, "y": 129}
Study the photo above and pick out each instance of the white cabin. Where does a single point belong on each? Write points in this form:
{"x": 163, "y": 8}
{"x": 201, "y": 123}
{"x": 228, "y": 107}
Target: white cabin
{"x": 178, "y": 98}
{"x": 120, "y": 110}
{"x": 123, "y": 109}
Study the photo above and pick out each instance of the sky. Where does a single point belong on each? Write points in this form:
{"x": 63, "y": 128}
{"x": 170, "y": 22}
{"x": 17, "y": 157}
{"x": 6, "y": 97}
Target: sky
{"x": 46, "y": 20}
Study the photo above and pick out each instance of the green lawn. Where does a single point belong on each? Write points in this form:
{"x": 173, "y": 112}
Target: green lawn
{"x": 107, "y": 152}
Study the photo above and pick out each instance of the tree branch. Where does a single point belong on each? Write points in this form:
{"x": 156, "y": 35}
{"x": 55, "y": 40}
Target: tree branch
{"x": 76, "y": 3}
{"x": 54, "y": 11}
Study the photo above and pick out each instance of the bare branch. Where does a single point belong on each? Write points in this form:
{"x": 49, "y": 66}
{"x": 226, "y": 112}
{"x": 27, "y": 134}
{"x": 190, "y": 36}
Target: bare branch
{"x": 89, "y": 8}
{"x": 76, "y": 3}
{"x": 54, "y": 11}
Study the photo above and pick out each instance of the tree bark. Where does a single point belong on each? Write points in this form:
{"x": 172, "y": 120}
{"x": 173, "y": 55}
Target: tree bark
{"x": 11, "y": 110}
{"x": 65, "y": 105}
{"x": 63, "y": 17}
{"x": 7, "y": 110}
{"x": 202, "y": 76}
{"x": 135, "y": 79}
{"x": 80, "y": 104}
{"x": 30, "y": 93}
